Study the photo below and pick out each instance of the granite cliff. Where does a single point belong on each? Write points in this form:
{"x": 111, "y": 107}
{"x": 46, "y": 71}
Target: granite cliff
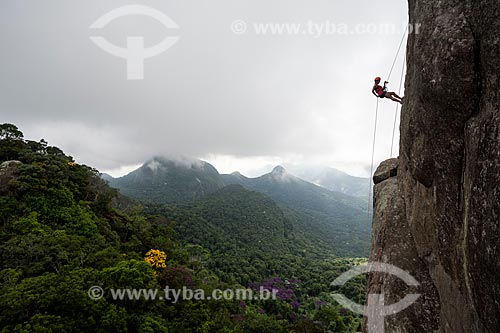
{"x": 437, "y": 207}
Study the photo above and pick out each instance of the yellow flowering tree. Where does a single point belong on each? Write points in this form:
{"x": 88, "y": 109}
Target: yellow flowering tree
{"x": 156, "y": 258}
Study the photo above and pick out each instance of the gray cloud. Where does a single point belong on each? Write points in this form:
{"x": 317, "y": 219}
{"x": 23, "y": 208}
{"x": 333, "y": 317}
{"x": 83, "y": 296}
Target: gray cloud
{"x": 214, "y": 93}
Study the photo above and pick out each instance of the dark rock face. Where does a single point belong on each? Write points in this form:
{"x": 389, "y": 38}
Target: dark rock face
{"x": 447, "y": 199}
{"x": 386, "y": 170}
{"x": 393, "y": 243}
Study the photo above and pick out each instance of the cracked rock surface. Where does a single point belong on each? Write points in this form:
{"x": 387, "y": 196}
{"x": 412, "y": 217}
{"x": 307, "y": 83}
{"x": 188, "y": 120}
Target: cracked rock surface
{"x": 439, "y": 216}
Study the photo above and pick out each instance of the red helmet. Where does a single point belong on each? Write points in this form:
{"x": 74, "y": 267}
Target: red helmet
{"x": 378, "y": 78}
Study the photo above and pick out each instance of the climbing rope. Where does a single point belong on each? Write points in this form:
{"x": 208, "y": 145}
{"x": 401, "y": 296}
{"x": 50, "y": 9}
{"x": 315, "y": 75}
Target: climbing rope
{"x": 375, "y": 133}
{"x": 371, "y": 173}
{"x": 397, "y": 105}
{"x": 397, "y": 54}
{"x": 368, "y": 210}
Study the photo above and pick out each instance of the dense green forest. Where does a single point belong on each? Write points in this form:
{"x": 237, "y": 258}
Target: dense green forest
{"x": 64, "y": 230}
{"x": 332, "y": 218}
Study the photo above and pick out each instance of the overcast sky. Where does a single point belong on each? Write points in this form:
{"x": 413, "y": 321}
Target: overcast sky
{"x": 242, "y": 101}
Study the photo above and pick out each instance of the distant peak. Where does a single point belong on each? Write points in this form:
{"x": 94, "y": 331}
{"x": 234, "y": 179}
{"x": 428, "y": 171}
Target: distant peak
{"x": 279, "y": 170}
{"x": 236, "y": 173}
{"x": 173, "y": 160}
{"x": 155, "y": 165}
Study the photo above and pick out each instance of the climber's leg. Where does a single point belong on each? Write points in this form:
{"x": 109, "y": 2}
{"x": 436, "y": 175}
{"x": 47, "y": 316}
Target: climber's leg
{"x": 391, "y": 95}
{"x": 396, "y": 95}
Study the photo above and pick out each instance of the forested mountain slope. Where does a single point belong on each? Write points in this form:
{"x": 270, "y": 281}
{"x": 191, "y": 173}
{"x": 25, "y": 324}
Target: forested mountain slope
{"x": 62, "y": 233}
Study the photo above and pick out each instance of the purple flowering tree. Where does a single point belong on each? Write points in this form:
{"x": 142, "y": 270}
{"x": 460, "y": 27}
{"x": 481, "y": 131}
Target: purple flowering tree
{"x": 286, "y": 290}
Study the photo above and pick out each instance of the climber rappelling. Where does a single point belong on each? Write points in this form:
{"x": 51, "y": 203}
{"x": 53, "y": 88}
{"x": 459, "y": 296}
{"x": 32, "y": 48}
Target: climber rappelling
{"x": 383, "y": 92}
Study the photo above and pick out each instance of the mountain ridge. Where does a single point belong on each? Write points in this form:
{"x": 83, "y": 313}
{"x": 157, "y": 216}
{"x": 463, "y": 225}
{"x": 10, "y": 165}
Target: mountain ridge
{"x": 334, "y": 217}
{"x": 187, "y": 179}
{"x": 339, "y": 219}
